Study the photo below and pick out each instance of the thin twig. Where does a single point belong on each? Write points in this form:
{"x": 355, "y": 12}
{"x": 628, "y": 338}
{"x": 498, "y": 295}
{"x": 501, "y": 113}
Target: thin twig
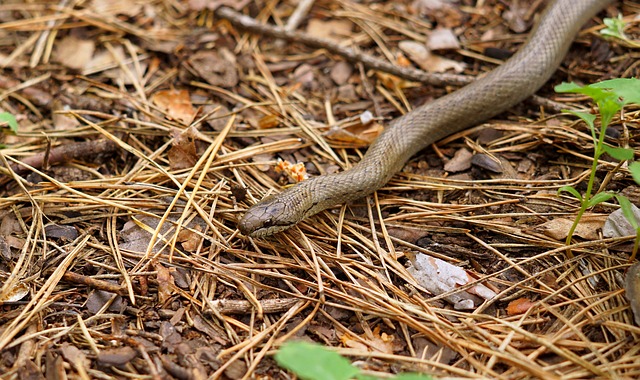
{"x": 435, "y": 79}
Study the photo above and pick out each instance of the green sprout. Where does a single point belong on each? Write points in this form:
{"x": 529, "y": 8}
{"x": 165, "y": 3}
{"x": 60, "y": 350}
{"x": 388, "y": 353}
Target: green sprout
{"x": 614, "y": 27}
{"x": 610, "y": 96}
{"x": 7, "y": 119}
{"x": 314, "y": 362}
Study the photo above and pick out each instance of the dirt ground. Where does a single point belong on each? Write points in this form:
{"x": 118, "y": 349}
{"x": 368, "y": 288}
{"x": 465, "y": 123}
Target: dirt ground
{"x": 147, "y": 128}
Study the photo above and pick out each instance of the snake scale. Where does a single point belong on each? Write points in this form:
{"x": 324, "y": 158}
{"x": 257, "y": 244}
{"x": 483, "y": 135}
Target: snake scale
{"x": 516, "y": 79}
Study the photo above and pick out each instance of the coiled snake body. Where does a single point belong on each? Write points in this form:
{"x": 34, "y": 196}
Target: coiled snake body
{"x": 505, "y": 86}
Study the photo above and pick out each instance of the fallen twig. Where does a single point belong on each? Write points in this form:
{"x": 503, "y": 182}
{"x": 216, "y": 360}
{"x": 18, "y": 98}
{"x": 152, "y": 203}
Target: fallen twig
{"x": 370, "y": 62}
{"x": 65, "y": 153}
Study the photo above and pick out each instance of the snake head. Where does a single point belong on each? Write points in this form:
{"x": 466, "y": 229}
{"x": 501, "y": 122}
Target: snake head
{"x": 267, "y": 217}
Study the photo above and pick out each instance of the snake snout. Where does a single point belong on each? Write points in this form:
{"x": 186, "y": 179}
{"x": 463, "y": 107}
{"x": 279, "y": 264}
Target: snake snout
{"x": 265, "y": 218}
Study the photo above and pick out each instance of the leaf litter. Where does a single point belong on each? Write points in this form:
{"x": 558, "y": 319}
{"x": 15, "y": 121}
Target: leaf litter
{"x": 168, "y": 122}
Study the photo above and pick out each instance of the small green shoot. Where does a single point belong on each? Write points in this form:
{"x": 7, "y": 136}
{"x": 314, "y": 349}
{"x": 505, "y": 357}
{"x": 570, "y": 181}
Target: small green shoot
{"x": 314, "y": 362}
{"x": 610, "y": 96}
{"x": 614, "y": 27}
{"x": 8, "y": 119}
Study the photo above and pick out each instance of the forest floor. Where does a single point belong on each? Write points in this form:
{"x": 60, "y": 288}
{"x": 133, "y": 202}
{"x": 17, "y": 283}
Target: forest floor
{"x": 147, "y": 128}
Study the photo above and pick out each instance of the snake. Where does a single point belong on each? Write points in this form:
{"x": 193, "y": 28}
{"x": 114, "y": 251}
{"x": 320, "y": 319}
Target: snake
{"x": 505, "y": 86}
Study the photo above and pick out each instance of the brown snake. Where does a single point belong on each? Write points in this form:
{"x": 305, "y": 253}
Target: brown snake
{"x": 518, "y": 78}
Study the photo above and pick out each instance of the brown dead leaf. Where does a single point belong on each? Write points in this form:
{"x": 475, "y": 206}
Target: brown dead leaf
{"x": 14, "y": 293}
{"x": 268, "y": 121}
{"x": 519, "y": 306}
{"x": 632, "y": 289}
{"x": 559, "y": 228}
{"x": 116, "y": 7}
{"x": 428, "y": 61}
{"x": 218, "y": 68}
{"x": 183, "y": 153}
{"x": 73, "y": 52}
{"x": 304, "y": 74}
{"x": 190, "y": 240}
{"x": 335, "y": 30}
{"x": 358, "y": 135}
{"x": 62, "y": 121}
{"x": 341, "y": 72}
{"x": 116, "y": 356}
{"x": 461, "y": 161}
{"x": 166, "y": 285}
{"x": 198, "y": 5}
{"x": 176, "y": 103}
{"x": 380, "y": 342}
{"x": 76, "y": 357}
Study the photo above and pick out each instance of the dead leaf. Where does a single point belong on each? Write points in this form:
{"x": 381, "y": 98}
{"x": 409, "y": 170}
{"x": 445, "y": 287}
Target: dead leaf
{"x": 461, "y": 161}
{"x": 116, "y": 356}
{"x": 76, "y": 357}
{"x": 74, "y": 52}
{"x": 515, "y": 16}
{"x": 428, "y": 61}
{"x": 443, "y": 39}
{"x": 190, "y": 240}
{"x": 439, "y": 277}
{"x": 198, "y": 5}
{"x": 218, "y": 68}
{"x": 176, "y": 103}
{"x": 116, "y": 7}
{"x": 558, "y": 228}
{"x": 356, "y": 135}
{"x": 166, "y": 285}
{"x": 268, "y": 121}
{"x": 61, "y": 120}
{"x": 617, "y": 224}
{"x": 15, "y": 292}
{"x": 341, "y": 72}
{"x": 519, "y": 306}
{"x": 335, "y": 30}
{"x": 632, "y": 288}
{"x": 183, "y": 153}
{"x": 487, "y": 162}
{"x": 304, "y": 74}
{"x": 380, "y": 342}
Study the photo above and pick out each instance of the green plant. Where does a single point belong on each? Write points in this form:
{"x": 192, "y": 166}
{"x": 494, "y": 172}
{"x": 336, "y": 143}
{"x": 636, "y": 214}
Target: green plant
{"x": 8, "y": 119}
{"x": 610, "y": 96}
{"x": 314, "y": 362}
{"x": 614, "y": 27}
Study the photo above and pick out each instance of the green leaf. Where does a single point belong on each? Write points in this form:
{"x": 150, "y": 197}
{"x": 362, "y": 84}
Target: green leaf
{"x": 592, "y": 92}
{"x": 621, "y": 154}
{"x": 572, "y": 191}
{"x": 599, "y": 198}
{"x": 634, "y": 168}
{"x": 608, "y": 107}
{"x": 314, "y": 362}
{"x": 10, "y": 120}
{"x": 626, "y": 88}
{"x": 627, "y": 210}
{"x": 586, "y": 117}
{"x": 614, "y": 27}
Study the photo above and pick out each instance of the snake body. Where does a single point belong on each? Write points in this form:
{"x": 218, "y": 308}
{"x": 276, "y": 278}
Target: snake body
{"x": 516, "y": 79}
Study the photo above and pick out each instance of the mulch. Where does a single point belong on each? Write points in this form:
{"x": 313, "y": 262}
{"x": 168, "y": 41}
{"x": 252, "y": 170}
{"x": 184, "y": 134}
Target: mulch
{"x": 147, "y": 128}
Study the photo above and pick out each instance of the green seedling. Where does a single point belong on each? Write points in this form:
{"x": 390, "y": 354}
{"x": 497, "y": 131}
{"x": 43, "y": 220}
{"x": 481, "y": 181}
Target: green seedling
{"x": 7, "y": 119}
{"x": 314, "y": 362}
{"x": 610, "y": 96}
{"x": 614, "y": 27}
